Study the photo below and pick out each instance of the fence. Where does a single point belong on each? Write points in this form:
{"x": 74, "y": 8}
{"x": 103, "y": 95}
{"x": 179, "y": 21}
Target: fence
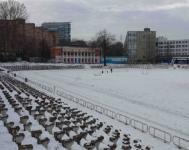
{"x": 136, "y": 124}
{"x": 139, "y": 125}
{"x": 110, "y": 113}
{"x": 181, "y": 143}
{"x": 90, "y": 106}
{"x": 160, "y": 134}
{"x": 99, "y": 109}
{"x": 40, "y": 67}
{"x": 124, "y": 119}
{"x": 30, "y": 66}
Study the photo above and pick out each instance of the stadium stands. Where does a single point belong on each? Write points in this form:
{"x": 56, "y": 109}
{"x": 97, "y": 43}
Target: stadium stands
{"x": 38, "y": 121}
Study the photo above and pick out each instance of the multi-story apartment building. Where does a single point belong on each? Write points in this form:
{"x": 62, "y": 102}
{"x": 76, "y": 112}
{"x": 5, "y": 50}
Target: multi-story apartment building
{"x": 24, "y": 40}
{"x": 76, "y": 55}
{"x": 141, "y": 46}
{"x": 166, "y": 49}
{"x": 63, "y": 30}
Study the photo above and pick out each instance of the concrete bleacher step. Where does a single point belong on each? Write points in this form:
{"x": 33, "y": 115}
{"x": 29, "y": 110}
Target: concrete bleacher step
{"x": 25, "y": 147}
{"x": 36, "y": 133}
{"x": 44, "y": 141}
{"x": 27, "y": 126}
{"x": 64, "y": 124}
{"x": 19, "y": 138}
{"x": 24, "y": 119}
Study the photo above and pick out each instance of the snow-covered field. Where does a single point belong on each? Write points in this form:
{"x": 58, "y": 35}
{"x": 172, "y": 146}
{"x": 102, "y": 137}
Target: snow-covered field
{"x": 20, "y": 100}
{"x": 156, "y": 96}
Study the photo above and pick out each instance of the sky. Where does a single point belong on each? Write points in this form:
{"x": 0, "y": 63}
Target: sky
{"x": 170, "y": 18}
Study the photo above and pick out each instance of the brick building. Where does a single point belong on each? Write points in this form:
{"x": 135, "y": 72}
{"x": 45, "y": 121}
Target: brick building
{"x": 23, "y": 40}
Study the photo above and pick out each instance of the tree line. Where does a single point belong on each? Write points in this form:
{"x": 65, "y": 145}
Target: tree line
{"x": 106, "y": 42}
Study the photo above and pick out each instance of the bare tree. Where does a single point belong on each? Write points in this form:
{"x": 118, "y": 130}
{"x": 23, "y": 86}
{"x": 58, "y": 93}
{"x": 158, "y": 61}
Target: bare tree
{"x": 104, "y": 41}
{"x": 11, "y": 10}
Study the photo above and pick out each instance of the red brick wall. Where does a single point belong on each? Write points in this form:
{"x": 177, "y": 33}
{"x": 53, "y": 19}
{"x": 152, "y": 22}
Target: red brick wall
{"x": 24, "y": 39}
{"x": 29, "y": 39}
{"x": 56, "y": 51}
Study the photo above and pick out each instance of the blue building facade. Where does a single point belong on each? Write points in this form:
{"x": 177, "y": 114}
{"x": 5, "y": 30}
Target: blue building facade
{"x": 115, "y": 60}
{"x": 63, "y": 30}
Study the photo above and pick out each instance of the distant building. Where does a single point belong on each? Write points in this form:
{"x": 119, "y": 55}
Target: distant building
{"x": 19, "y": 39}
{"x": 141, "y": 46}
{"x": 76, "y": 55}
{"x": 63, "y": 30}
{"x": 167, "y": 49}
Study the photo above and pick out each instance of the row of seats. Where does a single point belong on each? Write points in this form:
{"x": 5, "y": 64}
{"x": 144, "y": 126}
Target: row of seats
{"x": 66, "y": 126}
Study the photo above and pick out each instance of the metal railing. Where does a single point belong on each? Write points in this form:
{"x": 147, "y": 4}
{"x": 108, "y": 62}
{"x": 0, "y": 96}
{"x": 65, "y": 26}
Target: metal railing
{"x": 124, "y": 119}
{"x": 110, "y": 113}
{"x": 181, "y": 143}
{"x": 99, "y": 109}
{"x": 160, "y": 134}
{"x": 90, "y": 106}
{"x": 136, "y": 124}
{"x": 40, "y": 67}
{"x": 143, "y": 127}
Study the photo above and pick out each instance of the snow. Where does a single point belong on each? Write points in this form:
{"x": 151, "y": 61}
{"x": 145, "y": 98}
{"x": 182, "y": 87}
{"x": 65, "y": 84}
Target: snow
{"x": 5, "y": 137}
{"x": 157, "y": 96}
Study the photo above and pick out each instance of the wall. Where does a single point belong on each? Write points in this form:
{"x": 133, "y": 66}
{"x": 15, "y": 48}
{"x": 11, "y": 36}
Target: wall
{"x": 24, "y": 40}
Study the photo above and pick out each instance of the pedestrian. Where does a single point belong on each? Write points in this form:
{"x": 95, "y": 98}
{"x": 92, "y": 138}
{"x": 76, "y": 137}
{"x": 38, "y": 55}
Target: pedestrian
{"x": 102, "y": 71}
{"x": 111, "y": 70}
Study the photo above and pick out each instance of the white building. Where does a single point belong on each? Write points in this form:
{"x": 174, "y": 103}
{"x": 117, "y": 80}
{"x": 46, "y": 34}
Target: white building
{"x": 76, "y": 55}
{"x": 172, "y": 48}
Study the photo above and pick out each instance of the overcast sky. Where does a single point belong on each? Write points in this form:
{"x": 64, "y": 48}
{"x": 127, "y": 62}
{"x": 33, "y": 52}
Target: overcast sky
{"x": 169, "y": 18}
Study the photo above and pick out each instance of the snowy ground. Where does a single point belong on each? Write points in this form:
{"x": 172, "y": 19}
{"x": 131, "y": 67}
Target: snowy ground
{"x": 157, "y": 96}
{"x": 5, "y": 138}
